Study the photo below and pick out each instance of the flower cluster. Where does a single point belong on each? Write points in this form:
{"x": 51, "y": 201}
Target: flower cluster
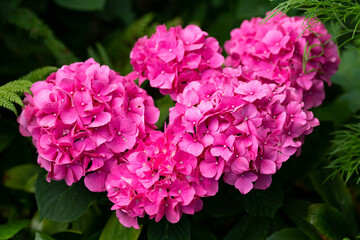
{"x": 171, "y": 59}
{"x": 240, "y": 122}
{"x": 82, "y": 118}
{"x": 286, "y": 50}
{"x": 245, "y": 129}
{"x": 158, "y": 179}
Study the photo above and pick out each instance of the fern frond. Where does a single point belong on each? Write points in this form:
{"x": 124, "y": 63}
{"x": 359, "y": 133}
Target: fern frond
{"x": 8, "y": 105}
{"x": 16, "y": 86}
{"x": 345, "y": 153}
{"x": 345, "y": 13}
{"x": 11, "y": 96}
{"x": 39, "y": 74}
{"x": 9, "y": 91}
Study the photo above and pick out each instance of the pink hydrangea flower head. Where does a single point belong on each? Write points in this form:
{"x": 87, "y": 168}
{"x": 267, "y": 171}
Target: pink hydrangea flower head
{"x": 82, "y": 118}
{"x": 294, "y": 51}
{"x": 241, "y": 128}
{"x": 159, "y": 179}
{"x": 172, "y": 58}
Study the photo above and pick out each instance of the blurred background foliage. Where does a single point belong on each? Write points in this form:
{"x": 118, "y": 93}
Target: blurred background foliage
{"x": 309, "y": 198}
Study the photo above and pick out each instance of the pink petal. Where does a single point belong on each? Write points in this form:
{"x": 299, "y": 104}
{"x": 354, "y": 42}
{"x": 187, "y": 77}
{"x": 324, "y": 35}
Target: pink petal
{"x": 126, "y": 220}
{"x": 95, "y": 182}
{"x": 208, "y": 169}
{"x": 100, "y": 119}
{"x": 267, "y": 167}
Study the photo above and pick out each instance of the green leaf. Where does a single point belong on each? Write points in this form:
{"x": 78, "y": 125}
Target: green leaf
{"x": 249, "y": 227}
{"x": 263, "y": 202}
{"x": 288, "y": 233}
{"x": 337, "y": 111}
{"x": 115, "y": 230}
{"x": 334, "y": 192}
{"x": 82, "y": 5}
{"x": 120, "y": 9}
{"x": 296, "y": 211}
{"x": 163, "y": 104}
{"x": 47, "y": 226}
{"x": 164, "y": 230}
{"x": 9, "y": 230}
{"x": 329, "y": 222}
{"x": 21, "y": 177}
{"x": 42, "y": 236}
{"x": 348, "y": 77}
{"x": 62, "y": 203}
{"x": 88, "y": 223}
{"x": 249, "y": 9}
{"x": 39, "y": 74}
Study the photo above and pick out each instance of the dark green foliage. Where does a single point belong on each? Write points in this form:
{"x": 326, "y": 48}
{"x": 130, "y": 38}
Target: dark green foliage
{"x": 165, "y": 230}
{"x": 330, "y": 222}
{"x": 288, "y": 233}
{"x": 26, "y": 19}
{"x": 59, "y": 202}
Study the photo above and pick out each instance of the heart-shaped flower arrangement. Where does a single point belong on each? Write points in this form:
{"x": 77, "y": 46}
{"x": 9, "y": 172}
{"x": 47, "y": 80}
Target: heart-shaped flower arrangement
{"x": 241, "y": 121}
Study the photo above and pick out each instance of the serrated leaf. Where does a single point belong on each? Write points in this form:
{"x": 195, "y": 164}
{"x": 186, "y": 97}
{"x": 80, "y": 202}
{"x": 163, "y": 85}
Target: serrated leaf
{"x": 42, "y": 236}
{"x": 164, "y": 230}
{"x": 288, "y": 233}
{"x": 163, "y": 104}
{"x": 263, "y": 202}
{"x": 9, "y": 230}
{"x": 62, "y": 203}
{"x": 19, "y": 176}
{"x": 82, "y": 5}
{"x": 249, "y": 227}
{"x": 329, "y": 222}
{"x": 115, "y": 230}
{"x": 38, "y": 74}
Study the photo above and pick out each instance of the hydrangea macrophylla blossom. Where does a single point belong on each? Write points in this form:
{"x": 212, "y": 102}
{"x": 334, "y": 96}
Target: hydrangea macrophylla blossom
{"x": 172, "y": 58}
{"x": 243, "y": 128}
{"x": 158, "y": 179}
{"x": 286, "y": 50}
{"x": 83, "y": 118}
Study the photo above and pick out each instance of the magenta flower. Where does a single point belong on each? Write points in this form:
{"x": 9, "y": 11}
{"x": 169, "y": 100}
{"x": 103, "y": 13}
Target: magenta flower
{"x": 240, "y": 128}
{"x": 274, "y": 51}
{"x": 172, "y": 58}
{"x": 83, "y": 118}
{"x": 158, "y": 179}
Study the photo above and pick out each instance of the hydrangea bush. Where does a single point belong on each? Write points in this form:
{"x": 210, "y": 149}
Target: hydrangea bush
{"x": 236, "y": 119}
